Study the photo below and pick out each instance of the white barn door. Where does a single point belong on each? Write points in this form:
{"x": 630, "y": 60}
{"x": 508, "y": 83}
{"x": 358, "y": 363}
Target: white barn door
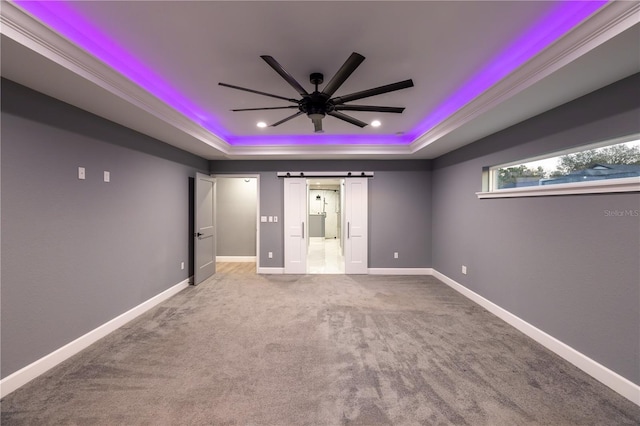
{"x": 295, "y": 218}
{"x": 356, "y": 226}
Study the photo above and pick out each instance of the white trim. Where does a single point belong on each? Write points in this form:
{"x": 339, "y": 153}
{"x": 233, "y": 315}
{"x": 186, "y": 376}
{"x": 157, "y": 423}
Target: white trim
{"x": 311, "y": 152}
{"x": 41, "y": 366}
{"x": 235, "y": 258}
{"x": 601, "y": 373}
{"x": 605, "y": 24}
{"x": 370, "y": 271}
{"x": 400, "y": 271}
{"x": 274, "y": 271}
{"x": 22, "y": 27}
{"x": 631, "y": 184}
{"x": 623, "y": 386}
{"x": 608, "y": 22}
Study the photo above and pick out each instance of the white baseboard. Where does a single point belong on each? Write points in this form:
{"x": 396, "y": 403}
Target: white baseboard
{"x": 36, "y": 368}
{"x": 371, "y": 271}
{"x": 601, "y": 373}
{"x": 263, "y": 270}
{"x": 400, "y": 271}
{"x": 596, "y": 370}
{"x": 235, "y": 258}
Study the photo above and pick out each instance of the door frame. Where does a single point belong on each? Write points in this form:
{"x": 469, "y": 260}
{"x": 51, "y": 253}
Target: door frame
{"x": 246, "y": 176}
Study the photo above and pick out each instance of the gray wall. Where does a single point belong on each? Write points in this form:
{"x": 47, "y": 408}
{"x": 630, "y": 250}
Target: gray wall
{"x": 236, "y": 206}
{"x": 76, "y": 254}
{"x": 557, "y": 262}
{"x": 399, "y": 207}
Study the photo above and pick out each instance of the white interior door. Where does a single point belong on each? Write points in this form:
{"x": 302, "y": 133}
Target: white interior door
{"x": 356, "y": 217}
{"x": 204, "y": 238}
{"x": 295, "y": 218}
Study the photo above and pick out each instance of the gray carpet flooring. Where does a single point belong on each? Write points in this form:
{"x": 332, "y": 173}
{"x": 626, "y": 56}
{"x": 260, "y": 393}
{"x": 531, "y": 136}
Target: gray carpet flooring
{"x": 317, "y": 350}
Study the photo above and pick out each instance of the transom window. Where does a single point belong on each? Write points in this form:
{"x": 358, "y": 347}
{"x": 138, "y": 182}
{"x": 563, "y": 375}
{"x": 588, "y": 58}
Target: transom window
{"x": 612, "y": 166}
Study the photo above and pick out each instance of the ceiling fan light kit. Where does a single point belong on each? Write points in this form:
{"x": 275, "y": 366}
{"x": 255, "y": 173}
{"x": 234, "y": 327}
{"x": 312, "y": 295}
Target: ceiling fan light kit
{"x": 318, "y": 104}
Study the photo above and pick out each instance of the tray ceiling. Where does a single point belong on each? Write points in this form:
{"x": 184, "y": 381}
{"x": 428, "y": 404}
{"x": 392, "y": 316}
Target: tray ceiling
{"x": 477, "y": 67}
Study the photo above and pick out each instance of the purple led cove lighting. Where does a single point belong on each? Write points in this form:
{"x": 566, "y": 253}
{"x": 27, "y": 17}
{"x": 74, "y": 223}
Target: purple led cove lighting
{"x": 66, "y": 21}
{"x": 69, "y": 23}
{"x": 315, "y": 139}
{"x": 558, "y": 21}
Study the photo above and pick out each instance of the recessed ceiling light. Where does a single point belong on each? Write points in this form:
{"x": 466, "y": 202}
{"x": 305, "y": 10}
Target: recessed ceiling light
{"x": 376, "y": 123}
{"x": 261, "y": 124}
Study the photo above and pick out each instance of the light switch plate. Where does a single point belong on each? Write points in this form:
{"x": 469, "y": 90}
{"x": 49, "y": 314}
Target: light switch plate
{"x": 81, "y": 173}
{"x": 263, "y": 218}
{"x": 107, "y": 176}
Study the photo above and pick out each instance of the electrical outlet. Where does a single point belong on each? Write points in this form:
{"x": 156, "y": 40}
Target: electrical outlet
{"x": 181, "y": 265}
{"x": 270, "y": 255}
{"x": 395, "y": 255}
{"x": 464, "y": 269}
{"x": 81, "y": 173}
{"x": 107, "y": 176}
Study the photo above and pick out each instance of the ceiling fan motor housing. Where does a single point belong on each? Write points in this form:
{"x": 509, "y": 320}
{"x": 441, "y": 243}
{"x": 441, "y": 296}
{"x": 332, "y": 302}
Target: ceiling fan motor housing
{"x": 316, "y": 104}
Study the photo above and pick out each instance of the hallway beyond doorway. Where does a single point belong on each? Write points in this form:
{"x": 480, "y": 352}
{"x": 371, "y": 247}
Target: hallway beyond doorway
{"x": 324, "y": 256}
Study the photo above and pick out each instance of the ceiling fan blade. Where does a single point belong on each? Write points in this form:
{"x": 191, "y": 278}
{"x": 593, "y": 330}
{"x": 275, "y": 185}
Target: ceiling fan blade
{"x": 373, "y": 92}
{"x": 317, "y": 125}
{"x": 287, "y": 119}
{"x": 284, "y": 74}
{"x": 260, "y": 109}
{"x": 370, "y": 108}
{"x": 257, "y": 92}
{"x": 347, "y": 118}
{"x": 343, "y": 73}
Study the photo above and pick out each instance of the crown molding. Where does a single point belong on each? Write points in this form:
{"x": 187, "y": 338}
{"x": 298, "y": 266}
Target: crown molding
{"x": 610, "y": 21}
{"x": 26, "y": 30}
{"x": 312, "y": 152}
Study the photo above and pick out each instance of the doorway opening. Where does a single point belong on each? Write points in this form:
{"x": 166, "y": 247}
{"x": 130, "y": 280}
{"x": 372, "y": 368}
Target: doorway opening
{"x": 352, "y": 229}
{"x": 325, "y": 248}
{"x": 237, "y": 222}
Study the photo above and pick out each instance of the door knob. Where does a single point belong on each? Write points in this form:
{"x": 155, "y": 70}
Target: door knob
{"x": 198, "y": 234}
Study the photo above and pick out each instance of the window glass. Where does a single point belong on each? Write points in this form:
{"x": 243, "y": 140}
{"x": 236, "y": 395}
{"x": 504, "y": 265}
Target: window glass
{"x": 613, "y": 161}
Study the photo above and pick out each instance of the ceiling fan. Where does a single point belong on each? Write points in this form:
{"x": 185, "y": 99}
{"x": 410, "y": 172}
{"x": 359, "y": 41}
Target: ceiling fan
{"x": 319, "y": 104}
